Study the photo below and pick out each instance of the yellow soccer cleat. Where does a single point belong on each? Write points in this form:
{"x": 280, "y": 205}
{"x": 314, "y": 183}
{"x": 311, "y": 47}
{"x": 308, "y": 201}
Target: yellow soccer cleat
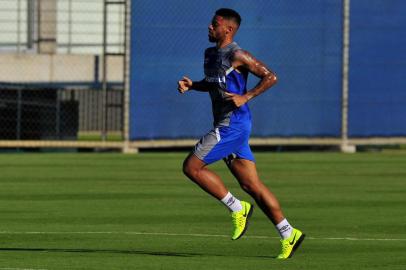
{"x": 240, "y": 219}
{"x": 290, "y": 244}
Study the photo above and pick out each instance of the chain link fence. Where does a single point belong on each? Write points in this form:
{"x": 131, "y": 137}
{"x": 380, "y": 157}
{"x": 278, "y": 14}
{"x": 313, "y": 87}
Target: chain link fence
{"x": 63, "y": 68}
{"x": 301, "y": 41}
{"x": 65, "y": 63}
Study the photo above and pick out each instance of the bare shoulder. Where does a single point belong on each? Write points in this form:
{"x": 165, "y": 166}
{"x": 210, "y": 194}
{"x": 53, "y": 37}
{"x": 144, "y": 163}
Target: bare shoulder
{"x": 241, "y": 57}
{"x": 244, "y": 59}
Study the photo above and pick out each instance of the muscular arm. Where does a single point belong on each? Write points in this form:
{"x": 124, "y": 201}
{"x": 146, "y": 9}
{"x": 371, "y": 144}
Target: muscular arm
{"x": 244, "y": 60}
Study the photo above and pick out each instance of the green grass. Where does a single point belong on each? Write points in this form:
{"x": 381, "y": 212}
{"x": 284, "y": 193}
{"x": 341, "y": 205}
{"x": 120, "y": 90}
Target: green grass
{"x": 145, "y": 214}
{"x": 96, "y": 136}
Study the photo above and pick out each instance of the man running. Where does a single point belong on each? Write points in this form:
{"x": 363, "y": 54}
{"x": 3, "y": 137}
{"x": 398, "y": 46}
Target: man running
{"x": 226, "y": 68}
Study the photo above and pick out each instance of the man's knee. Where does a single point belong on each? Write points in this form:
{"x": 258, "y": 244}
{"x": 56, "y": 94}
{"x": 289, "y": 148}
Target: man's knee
{"x": 190, "y": 167}
{"x": 245, "y": 172}
{"x": 251, "y": 187}
{"x": 186, "y": 167}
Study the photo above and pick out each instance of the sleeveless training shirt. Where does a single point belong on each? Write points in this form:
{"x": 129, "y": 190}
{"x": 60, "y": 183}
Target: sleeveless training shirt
{"x": 222, "y": 77}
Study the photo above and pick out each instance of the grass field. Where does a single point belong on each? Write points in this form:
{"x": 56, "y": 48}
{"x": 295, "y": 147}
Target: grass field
{"x": 113, "y": 211}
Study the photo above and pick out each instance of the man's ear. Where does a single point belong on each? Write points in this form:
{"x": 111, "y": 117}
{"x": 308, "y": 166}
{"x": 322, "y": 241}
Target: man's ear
{"x": 230, "y": 29}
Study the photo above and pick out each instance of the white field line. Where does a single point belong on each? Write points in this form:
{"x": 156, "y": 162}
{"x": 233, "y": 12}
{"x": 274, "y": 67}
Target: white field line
{"x": 205, "y": 235}
{"x": 8, "y": 268}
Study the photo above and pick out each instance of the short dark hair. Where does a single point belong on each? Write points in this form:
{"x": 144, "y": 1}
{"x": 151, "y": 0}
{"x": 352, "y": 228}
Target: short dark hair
{"x": 229, "y": 14}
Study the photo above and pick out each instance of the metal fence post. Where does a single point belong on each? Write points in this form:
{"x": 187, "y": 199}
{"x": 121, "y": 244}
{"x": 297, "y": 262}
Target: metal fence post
{"x": 30, "y": 23}
{"x": 19, "y": 113}
{"x": 104, "y": 76}
{"x": 126, "y": 99}
{"x": 70, "y": 26}
{"x": 18, "y": 26}
{"x": 345, "y": 147}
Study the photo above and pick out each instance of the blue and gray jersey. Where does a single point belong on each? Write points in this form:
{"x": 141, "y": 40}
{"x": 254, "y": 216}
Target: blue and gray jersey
{"x": 222, "y": 77}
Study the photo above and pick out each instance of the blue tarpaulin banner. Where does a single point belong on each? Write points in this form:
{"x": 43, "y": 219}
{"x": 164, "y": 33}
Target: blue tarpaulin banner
{"x": 300, "y": 40}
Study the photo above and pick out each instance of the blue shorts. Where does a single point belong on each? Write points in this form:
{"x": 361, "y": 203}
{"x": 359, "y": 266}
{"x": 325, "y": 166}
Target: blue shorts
{"x": 222, "y": 142}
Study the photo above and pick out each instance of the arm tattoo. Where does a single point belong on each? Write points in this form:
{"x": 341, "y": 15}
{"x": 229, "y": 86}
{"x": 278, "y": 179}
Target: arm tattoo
{"x": 267, "y": 77}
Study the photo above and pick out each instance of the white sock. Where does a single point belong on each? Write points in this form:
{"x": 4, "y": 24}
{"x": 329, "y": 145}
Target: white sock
{"x": 284, "y": 229}
{"x": 231, "y": 202}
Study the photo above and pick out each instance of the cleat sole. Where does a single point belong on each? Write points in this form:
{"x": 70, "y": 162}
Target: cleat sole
{"x": 296, "y": 246}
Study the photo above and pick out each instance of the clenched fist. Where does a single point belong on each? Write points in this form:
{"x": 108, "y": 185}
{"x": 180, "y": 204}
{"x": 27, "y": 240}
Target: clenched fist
{"x": 184, "y": 85}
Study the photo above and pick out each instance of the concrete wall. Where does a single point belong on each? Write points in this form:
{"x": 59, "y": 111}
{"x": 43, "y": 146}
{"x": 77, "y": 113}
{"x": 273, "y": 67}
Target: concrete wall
{"x": 51, "y": 68}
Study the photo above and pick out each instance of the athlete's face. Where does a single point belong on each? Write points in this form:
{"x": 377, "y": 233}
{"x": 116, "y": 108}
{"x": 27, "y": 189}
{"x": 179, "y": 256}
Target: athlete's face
{"x": 217, "y": 29}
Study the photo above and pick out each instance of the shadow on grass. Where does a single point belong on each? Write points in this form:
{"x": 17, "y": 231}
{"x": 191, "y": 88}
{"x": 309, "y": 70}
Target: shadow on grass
{"x": 131, "y": 252}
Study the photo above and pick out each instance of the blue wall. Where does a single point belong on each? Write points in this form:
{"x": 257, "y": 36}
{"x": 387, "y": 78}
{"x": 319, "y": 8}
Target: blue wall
{"x": 299, "y": 40}
{"x": 377, "y": 104}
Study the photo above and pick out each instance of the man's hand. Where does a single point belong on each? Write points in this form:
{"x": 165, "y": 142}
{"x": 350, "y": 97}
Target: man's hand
{"x": 184, "y": 85}
{"x": 244, "y": 60}
{"x": 238, "y": 100}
